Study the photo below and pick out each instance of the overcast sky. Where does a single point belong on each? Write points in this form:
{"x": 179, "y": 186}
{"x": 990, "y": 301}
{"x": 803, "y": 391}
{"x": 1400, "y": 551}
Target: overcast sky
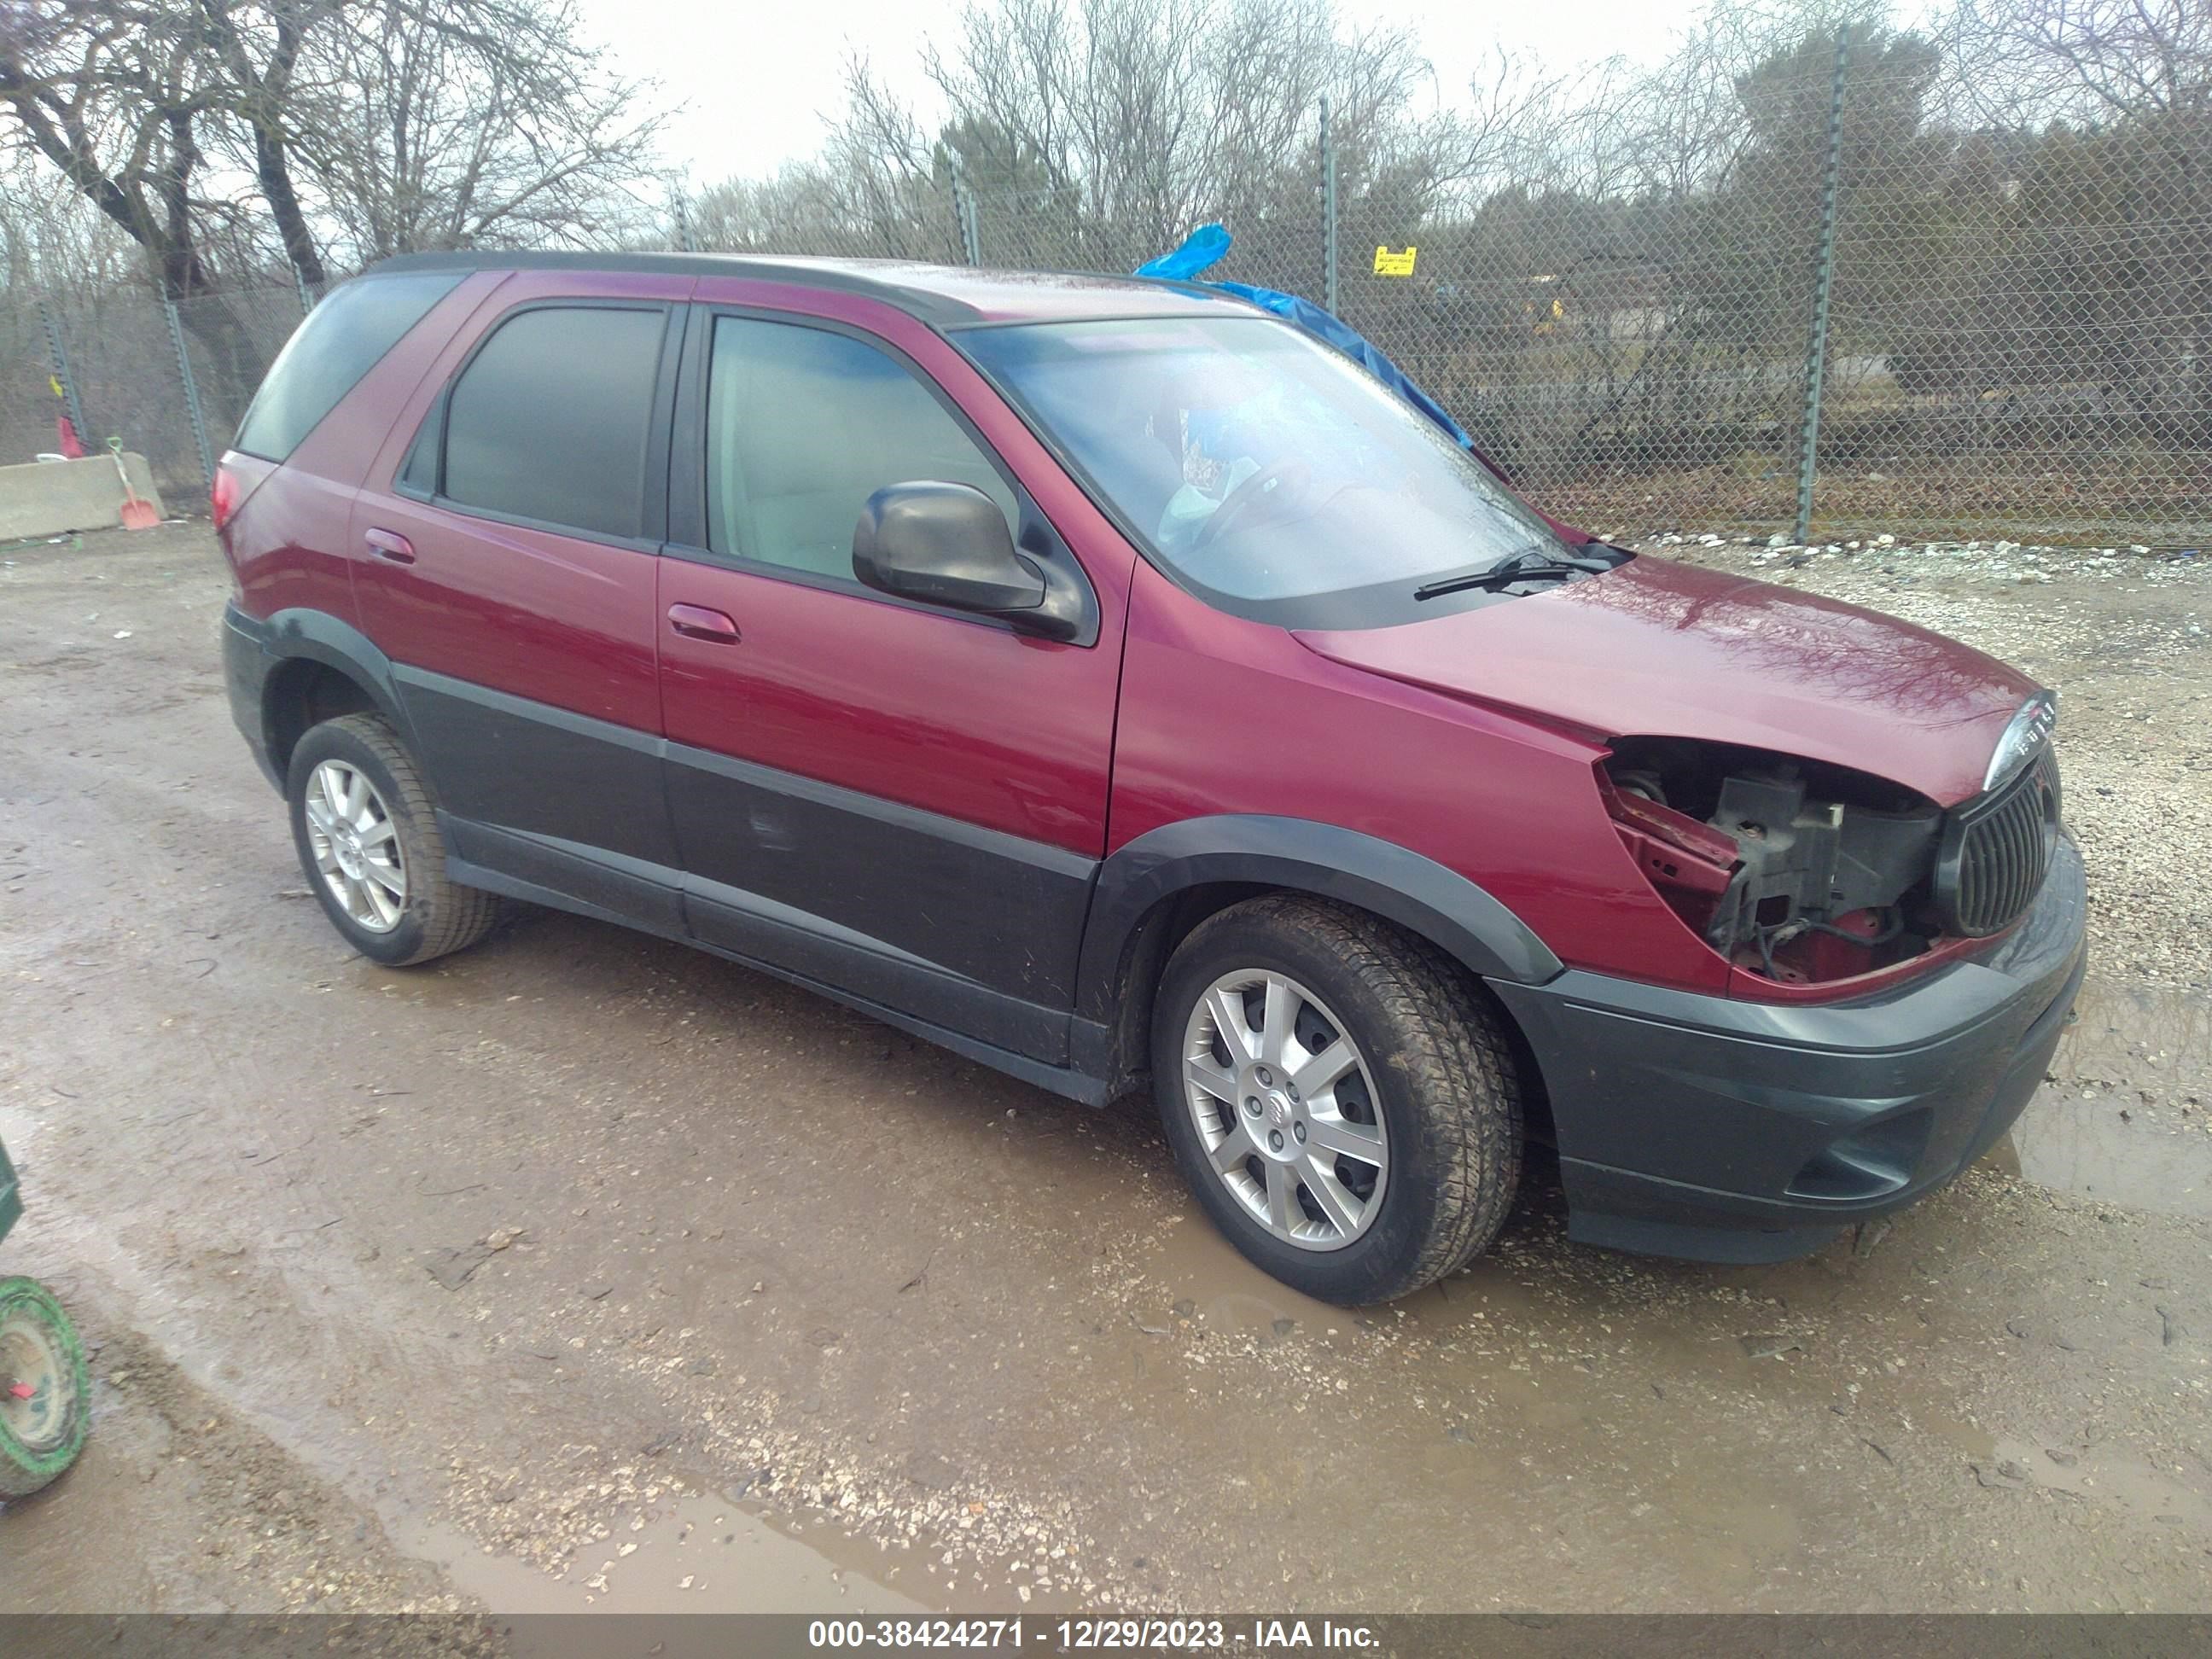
{"x": 756, "y": 98}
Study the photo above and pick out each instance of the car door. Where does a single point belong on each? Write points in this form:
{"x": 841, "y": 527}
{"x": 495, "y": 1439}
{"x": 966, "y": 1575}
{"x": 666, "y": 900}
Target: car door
{"x": 904, "y": 803}
{"x": 508, "y": 570}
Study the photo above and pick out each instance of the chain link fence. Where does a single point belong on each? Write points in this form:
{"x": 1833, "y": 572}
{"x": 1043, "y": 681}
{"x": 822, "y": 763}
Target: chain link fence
{"x": 1816, "y": 308}
{"x": 170, "y": 380}
{"x": 1839, "y": 316}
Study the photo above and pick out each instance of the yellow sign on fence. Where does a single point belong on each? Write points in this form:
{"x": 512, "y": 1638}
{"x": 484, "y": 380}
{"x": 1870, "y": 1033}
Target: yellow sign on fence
{"x": 1388, "y": 263}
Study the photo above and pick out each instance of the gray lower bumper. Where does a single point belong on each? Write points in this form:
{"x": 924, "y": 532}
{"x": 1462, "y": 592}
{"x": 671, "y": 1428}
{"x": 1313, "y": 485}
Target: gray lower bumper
{"x": 1723, "y": 1130}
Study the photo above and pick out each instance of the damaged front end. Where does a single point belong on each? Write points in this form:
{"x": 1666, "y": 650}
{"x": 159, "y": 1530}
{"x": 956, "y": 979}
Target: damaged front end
{"x": 1800, "y": 873}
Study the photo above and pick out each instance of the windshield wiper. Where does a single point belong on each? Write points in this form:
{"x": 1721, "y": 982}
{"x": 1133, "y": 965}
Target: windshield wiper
{"x": 1533, "y": 565}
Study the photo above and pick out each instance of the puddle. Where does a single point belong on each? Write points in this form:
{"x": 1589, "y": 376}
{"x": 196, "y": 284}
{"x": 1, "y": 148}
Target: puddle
{"x": 1202, "y": 1277}
{"x": 1205, "y": 1279}
{"x": 2128, "y": 1120}
{"x": 701, "y": 1554}
{"x": 2107, "y": 1476}
{"x": 693, "y": 1554}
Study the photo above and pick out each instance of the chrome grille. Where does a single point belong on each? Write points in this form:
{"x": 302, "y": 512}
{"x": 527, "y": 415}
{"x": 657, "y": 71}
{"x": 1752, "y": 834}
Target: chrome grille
{"x": 1997, "y": 851}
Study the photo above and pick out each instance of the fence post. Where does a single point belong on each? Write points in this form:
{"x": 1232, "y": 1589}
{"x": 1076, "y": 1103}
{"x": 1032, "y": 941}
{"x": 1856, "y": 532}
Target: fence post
{"x": 1328, "y": 212}
{"x": 191, "y": 391}
{"x": 964, "y": 209}
{"x": 60, "y": 355}
{"x": 684, "y": 238}
{"x": 306, "y": 300}
{"x": 1823, "y": 277}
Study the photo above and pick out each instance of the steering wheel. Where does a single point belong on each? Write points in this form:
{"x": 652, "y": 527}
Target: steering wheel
{"x": 1288, "y": 472}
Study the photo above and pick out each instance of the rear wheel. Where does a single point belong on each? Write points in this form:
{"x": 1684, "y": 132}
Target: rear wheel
{"x": 366, "y": 828}
{"x": 45, "y": 1390}
{"x": 1340, "y": 1099}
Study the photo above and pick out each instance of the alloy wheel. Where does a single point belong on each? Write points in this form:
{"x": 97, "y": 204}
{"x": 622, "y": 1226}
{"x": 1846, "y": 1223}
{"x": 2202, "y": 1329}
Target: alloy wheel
{"x": 1285, "y": 1107}
{"x": 356, "y": 846}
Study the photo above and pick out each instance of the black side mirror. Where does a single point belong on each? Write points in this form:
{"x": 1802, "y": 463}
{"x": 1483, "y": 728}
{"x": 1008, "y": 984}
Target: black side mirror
{"x": 943, "y": 543}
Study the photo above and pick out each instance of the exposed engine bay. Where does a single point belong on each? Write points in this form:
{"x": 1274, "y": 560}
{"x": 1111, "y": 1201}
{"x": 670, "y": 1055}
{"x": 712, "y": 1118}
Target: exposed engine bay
{"x": 1791, "y": 869}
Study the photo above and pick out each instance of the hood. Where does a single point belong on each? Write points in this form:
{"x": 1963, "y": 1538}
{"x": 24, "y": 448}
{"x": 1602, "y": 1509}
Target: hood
{"x": 1657, "y": 649}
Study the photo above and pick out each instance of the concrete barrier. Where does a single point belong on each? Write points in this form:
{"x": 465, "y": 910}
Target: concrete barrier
{"x": 51, "y": 498}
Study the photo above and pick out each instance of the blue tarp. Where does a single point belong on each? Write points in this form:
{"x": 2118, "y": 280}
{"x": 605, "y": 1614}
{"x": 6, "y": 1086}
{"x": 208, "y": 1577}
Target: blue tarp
{"x": 1204, "y": 248}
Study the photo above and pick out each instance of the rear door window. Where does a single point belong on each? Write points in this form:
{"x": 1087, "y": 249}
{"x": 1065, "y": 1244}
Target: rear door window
{"x": 551, "y": 418}
{"x": 342, "y": 338}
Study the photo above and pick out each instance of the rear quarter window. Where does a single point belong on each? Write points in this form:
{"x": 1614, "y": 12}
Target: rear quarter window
{"x": 342, "y": 339}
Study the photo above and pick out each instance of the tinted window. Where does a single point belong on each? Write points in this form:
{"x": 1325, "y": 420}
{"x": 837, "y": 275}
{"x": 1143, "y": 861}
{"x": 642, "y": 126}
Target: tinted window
{"x": 549, "y": 419}
{"x": 340, "y": 341}
{"x": 803, "y": 426}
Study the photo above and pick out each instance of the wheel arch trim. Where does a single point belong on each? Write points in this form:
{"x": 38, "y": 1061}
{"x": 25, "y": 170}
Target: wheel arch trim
{"x": 307, "y": 635}
{"x": 1296, "y": 854}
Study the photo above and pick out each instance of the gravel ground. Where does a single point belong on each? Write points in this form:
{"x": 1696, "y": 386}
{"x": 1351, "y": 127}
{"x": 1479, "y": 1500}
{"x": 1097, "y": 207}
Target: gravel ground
{"x": 580, "y": 1270}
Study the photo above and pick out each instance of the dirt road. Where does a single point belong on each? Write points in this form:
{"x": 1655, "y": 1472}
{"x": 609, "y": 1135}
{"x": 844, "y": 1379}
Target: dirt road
{"x": 582, "y": 1270}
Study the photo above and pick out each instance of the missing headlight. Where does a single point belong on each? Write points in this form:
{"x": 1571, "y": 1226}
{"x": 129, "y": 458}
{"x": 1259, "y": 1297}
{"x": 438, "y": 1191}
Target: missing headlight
{"x": 1799, "y": 871}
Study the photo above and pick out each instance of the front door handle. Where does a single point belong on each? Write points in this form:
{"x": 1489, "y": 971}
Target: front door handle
{"x": 391, "y": 544}
{"x": 695, "y": 622}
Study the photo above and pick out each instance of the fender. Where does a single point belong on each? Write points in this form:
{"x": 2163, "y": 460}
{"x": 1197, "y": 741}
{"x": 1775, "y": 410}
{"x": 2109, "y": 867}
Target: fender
{"x": 1400, "y": 886}
{"x": 316, "y": 636}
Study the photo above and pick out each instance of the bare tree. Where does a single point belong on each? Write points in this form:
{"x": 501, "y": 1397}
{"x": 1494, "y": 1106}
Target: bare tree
{"x": 2087, "y": 60}
{"x": 277, "y": 127}
{"x": 1104, "y": 129}
{"x": 479, "y": 124}
{"x": 118, "y": 103}
{"x": 51, "y": 237}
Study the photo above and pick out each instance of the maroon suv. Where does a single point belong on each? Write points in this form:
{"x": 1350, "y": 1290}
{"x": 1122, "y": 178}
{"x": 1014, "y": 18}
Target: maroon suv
{"x": 1115, "y": 684}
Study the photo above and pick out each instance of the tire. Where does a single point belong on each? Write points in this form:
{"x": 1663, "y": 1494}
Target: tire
{"x": 41, "y": 1431}
{"x": 1430, "y": 1076}
{"x": 427, "y": 915}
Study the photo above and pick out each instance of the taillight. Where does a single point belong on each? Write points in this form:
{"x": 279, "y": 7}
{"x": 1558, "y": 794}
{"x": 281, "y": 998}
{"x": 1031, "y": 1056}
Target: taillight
{"x": 222, "y": 500}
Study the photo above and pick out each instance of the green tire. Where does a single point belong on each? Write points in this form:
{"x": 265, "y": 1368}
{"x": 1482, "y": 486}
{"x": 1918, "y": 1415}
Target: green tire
{"x": 45, "y": 1389}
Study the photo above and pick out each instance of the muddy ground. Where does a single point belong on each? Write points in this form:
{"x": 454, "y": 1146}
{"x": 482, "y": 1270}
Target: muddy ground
{"x": 584, "y": 1271}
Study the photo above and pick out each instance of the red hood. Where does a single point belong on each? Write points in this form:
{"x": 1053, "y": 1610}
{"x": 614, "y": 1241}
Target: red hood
{"x": 1658, "y": 649}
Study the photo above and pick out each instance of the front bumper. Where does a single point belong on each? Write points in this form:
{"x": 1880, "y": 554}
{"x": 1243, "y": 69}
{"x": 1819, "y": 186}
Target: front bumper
{"x": 1728, "y": 1131}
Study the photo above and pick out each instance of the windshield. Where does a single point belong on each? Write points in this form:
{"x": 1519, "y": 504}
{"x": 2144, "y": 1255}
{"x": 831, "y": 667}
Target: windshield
{"x": 1259, "y": 464}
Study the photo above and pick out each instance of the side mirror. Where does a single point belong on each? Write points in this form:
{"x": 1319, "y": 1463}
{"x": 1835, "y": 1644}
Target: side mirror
{"x": 943, "y": 543}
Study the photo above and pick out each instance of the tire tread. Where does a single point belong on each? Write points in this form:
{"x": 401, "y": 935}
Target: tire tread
{"x": 1456, "y": 1065}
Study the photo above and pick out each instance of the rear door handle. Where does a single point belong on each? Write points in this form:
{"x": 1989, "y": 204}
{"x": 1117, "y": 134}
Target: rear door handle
{"x": 696, "y": 621}
{"x": 391, "y": 544}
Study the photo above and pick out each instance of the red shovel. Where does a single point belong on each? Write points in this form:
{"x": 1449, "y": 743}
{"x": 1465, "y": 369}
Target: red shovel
{"x": 137, "y": 514}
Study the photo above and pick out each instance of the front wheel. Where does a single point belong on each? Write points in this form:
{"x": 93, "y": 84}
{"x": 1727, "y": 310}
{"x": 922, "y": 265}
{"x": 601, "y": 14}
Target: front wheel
{"x": 1341, "y": 1101}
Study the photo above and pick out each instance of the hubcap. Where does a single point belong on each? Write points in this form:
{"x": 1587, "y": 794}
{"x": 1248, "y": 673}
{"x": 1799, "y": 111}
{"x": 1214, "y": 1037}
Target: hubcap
{"x": 33, "y": 1397}
{"x": 1285, "y": 1107}
{"x": 356, "y": 847}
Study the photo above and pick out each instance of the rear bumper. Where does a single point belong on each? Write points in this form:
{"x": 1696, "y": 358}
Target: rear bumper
{"x": 246, "y": 665}
{"x": 1728, "y": 1131}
